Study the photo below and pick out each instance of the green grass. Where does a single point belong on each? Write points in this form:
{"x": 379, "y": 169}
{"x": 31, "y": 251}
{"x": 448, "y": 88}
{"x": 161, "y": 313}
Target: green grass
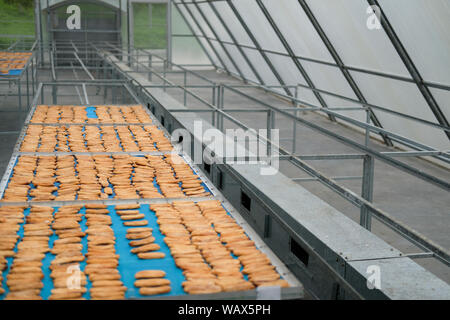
{"x": 20, "y": 21}
{"x": 15, "y": 21}
{"x": 146, "y": 36}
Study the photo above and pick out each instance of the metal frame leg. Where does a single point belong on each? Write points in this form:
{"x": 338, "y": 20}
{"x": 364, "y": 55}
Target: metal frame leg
{"x": 365, "y": 219}
{"x": 185, "y": 92}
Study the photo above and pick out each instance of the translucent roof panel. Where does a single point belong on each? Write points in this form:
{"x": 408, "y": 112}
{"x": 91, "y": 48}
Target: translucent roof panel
{"x": 355, "y": 43}
{"x": 188, "y": 17}
{"x": 262, "y": 67}
{"x": 223, "y": 35}
{"x": 422, "y": 26}
{"x": 182, "y": 28}
{"x": 403, "y": 97}
{"x": 443, "y": 99}
{"x": 424, "y": 29}
{"x": 223, "y": 55}
{"x": 213, "y": 20}
{"x": 287, "y": 69}
{"x": 297, "y": 29}
{"x": 204, "y": 26}
{"x": 187, "y": 50}
{"x": 329, "y": 78}
{"x": 258, "y": 24}
{"x": 233, "y": 23}
{"x": 397, "y": 95}
{"x": 241, "y": 63}
{"x": 197, "y": 16}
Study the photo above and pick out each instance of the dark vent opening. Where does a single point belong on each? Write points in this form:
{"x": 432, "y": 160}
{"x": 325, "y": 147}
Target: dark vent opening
{"x": 299, "y": 252}
{"x": 151, "y": 108}
{"x": 245, "y": 201}
{"x": 207, "y": 167}
{"x": 220, "y": 179}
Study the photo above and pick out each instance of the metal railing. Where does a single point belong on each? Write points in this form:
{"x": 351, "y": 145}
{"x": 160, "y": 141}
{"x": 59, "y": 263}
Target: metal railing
{"x": 368, "y": 210}
{"x": 158, "y": 68}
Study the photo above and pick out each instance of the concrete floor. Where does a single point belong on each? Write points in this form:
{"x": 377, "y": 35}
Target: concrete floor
{"x": 417, "y": 204}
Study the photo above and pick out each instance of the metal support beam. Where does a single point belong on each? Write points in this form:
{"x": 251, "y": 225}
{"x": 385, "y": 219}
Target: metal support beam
{"x": 340, "y": 64}
{"x": 409, "y": 64}
{"x": 76, "y": 87}
{"x": 256, "y": 44}
{"x": 38, "y": 27}
{"x": 85, "y": 93}
{"x": 367, "y": 190}
{"x": 238, "y": 69}
{"x": 192, "y": 31}
{"x": 244, "y": 55}
{"x": 343, "y": 178}
{"x": 204, "y": 34}
{"x": 169, "y": 32}
{"x": 292, "y": 54}
{"x": 129, "y": 31}
{"x": 83, "y": 66}
{"x": 393, "y": 162}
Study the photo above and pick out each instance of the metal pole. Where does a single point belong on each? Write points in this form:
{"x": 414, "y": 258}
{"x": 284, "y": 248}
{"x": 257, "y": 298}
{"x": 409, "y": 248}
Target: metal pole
{"x": 19, "y": 91}
{"x": 393, "y": 162}
{"x": 37, "y": 22}
{"x": 222, "y": 106}
{"x": 130, "y": 35}
{"x": 185, "y": 92}
{"x": 83, "y": 66}
{"x": 28, "y": 87}
{"x": 270, "y": 126}
{"x": 340, "y": 63}
{"x": 294, "y": 125}
{"x": 150, "y": 15}
{"x": 41, "y": 91}
{"x": 105, "y": 94}
{"x": 204, "y": 34}
{"x": 291, "y": 54}
{"x": 169, "y": 33}
{"x": 164, "y": 77}
{"x": 256, "y": 44}
{"x": 196, "y": 38}
{"x": 85, "y": 94}
{"x": 213, "y": 103}
{"x": 50, "y": 36}
{"x": 233, "y": 39}
{"x": 32, "y": 76}
{"x": 367, "y": 137}
{"x": 409, "y": 64}
{"x": 227, "y": 53}
{"x": 365, "y": 219}
{"x": 217, "y": 114}
{"x": 150, "y": 67}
